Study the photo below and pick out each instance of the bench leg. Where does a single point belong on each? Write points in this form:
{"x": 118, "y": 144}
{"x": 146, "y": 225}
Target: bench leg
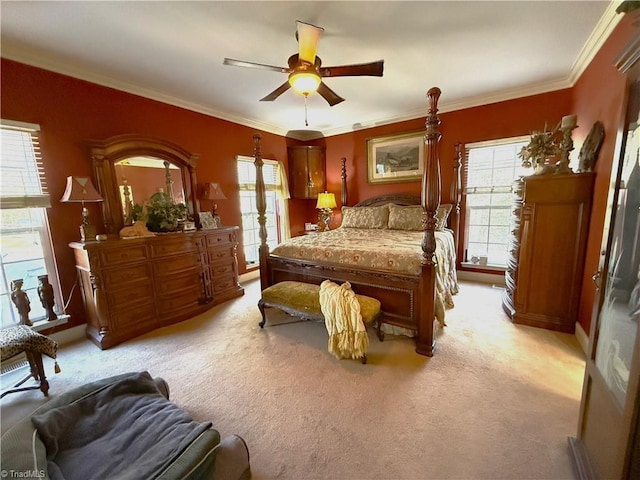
{"x": 261, "y": 308}
{"x": 37, "y": 370}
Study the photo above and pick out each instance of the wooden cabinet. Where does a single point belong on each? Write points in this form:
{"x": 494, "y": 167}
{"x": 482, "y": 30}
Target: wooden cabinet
{"x": 550, "y": 219}
{"x": 132, "y": 286}
{"x": 306, "y": 171}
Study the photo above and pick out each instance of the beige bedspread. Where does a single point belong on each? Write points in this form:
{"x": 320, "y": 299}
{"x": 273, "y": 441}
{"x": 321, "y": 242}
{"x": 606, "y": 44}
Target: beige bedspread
{"x": 397, "y": 251}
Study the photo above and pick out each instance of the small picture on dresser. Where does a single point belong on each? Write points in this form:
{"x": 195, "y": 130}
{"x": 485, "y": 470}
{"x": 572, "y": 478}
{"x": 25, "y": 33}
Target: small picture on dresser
{"x": 208, "y": 222}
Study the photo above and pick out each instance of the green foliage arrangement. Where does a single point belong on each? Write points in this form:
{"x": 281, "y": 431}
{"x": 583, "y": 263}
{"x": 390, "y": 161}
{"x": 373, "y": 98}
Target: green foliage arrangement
{"x": 163, "y": 213}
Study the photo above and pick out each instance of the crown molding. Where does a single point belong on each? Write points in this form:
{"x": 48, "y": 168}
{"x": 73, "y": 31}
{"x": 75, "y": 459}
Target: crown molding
{"x": 28, "y": 57}
{"x": 601, "y": 32}
{"x": 599, "y": 35}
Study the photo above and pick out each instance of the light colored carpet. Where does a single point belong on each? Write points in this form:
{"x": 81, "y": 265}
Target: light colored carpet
{"x": 497, "y": 401}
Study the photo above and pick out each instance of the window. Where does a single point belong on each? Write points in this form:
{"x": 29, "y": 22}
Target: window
{"x": 277, "y": 217}
{"x": 25, "y": 244}
{"x": 490, "y": 169}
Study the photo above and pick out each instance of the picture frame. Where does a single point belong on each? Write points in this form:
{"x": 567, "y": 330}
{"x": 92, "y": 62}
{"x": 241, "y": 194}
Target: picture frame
{"x": 208, "y": 222}
{"x": 395, "y": 158}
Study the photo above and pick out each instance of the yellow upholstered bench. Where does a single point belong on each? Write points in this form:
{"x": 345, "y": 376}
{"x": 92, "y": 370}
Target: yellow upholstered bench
{"x": 303, "y": 300}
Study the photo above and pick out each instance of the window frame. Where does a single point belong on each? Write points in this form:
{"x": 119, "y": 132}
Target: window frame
{"x": 33, "y": 199}
{"x": 280, "y": 213}
{"x": 465, "y": 204}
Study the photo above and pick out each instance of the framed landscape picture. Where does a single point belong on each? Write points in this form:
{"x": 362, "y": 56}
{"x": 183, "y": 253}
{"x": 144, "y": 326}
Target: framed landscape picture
{"x": 395, "y": 158}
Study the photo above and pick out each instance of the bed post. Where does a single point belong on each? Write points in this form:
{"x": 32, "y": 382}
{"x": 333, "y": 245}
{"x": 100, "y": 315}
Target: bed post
{"x": 343, "y": 176}
{"x": 261, "y": 205}
{"x": 430, "y": 199}
{"x": 456, "y": 190}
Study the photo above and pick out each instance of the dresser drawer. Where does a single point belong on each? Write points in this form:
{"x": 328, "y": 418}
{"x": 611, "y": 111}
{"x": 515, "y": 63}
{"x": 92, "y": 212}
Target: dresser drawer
{"x": 222, "y": 253}
{"x": 180, "y": 245}
{"x": 119, "y": 277}
{"x": 133, "y": 294}
{"x": 130, "y": 254}
{"x": 219, "y": 238}
{"x": 135, "y": 317}
{"x": 222, "y": 269}
{"x": 179, "y": 301}
{"x": 223, "y": 283}
{"x": 172, "y": 266}
{"x": 169, "y": 286}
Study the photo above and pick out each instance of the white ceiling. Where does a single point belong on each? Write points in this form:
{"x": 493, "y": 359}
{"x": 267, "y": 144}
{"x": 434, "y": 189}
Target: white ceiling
{"x": 477, "y": 52}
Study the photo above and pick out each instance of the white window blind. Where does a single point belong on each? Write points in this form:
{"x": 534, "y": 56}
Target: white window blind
{"x": 22, "y": 182}
{"x": 489, "y": 171}
{"x": 276, "y": 214}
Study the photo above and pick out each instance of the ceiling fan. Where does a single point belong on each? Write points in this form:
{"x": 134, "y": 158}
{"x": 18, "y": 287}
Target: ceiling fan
{"x": 305, "y": 69}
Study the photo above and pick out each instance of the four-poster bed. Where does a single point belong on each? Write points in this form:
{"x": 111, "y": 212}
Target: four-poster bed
{"x": 409, "y": 296}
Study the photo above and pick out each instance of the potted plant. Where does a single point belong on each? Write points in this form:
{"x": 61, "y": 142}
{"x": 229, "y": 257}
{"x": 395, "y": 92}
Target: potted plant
{"x": 542, "y": 146}
{"x": 162, "y": 213}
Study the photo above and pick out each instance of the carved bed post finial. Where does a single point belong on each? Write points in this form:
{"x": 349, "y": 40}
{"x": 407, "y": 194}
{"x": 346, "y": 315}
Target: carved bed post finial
{"x": 431, "y": 177}
{"x": 456, "y": 194}
{"x": 343, "y": 176}
{"x": 261, "y": 205}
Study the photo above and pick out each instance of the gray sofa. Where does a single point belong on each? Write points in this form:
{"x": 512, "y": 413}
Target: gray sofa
{"x": 27, "y": 450}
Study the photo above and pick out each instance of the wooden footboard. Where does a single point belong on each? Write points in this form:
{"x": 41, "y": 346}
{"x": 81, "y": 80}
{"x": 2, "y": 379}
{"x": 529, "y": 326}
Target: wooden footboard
{"x": 407, "y": 300}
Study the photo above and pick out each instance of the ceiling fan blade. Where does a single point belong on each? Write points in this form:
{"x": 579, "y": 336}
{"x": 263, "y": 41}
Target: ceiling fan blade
{"x": 276, "y": 93}
{"x": 329, "y": 95}
{"x": 308, "y": 37}
{"x": 260, "y": 66}
{"x": 373, "y": 69}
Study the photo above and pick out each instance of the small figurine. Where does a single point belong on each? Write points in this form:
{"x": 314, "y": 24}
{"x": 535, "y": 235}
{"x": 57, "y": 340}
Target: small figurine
{"x": 21, "y": 301}
{"x": 45, "y": 292}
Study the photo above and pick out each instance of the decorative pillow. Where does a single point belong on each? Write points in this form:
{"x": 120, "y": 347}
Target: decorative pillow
{"x": 405, "y": 218}
{"x": 442, "y": 215}
{"x": 365, "y": 217}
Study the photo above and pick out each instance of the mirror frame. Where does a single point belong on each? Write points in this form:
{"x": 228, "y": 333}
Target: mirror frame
{"x": 104, "y": 155}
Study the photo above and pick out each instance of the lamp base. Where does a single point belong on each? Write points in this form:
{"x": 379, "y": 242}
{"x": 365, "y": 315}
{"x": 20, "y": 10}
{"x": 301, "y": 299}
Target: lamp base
{"x": 325, "y": 218}
{"x": 87, "y": 233}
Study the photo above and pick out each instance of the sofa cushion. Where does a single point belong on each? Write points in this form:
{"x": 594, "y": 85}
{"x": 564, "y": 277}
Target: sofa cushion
{"x": 127, "y": 429}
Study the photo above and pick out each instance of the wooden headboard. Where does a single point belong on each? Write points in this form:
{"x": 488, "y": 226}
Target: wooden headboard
{"x": 390, "y": 198}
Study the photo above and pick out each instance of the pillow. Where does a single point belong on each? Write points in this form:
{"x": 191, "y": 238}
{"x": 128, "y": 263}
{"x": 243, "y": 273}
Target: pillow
{"x": 365, "y": 217}
{"x": 442, "y": 215}
{"x": 410, "y": 217}
{"x": 405, "y": 218}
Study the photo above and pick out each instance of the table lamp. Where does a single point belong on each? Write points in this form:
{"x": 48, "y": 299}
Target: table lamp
{"x": 80, "y": 190}
{"x": 213, "y": 192}
{"x": 326, "y": 204}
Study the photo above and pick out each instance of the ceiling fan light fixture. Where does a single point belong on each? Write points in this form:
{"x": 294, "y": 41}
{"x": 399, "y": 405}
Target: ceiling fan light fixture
{"x": 304, "y": 83}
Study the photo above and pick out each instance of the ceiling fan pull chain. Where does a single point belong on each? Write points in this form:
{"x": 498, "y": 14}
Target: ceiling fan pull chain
{"x": 306, "y": 122}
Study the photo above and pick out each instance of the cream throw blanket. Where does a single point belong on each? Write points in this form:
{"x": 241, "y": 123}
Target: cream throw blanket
{"x": 347, "y": 334}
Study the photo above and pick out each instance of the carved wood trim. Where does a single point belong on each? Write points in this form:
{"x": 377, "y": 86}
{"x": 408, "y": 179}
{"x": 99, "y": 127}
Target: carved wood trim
{"x": 104, "y": 153}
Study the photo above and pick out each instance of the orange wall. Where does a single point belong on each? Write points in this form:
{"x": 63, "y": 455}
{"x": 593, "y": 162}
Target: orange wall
{"x": 71, "y": 111}
{"x": 599, "y": 95}
{"x": 487, "y": 122}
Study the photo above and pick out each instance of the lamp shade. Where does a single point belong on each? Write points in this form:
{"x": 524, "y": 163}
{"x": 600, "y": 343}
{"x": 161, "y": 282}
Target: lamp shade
{"x": 304, "y": 83}
{"x": 80, "y": 189}
{"x": 326, "y": 200}
{"x": 212, "y": 191}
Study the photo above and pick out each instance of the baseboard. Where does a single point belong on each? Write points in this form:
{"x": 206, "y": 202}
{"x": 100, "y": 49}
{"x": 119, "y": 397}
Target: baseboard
{"x": 582, "y": 337}
{"x": 493, "y": 279}
{"x": 252, "y": 275}
{"x": 580, "y": 459}
{"x": 69, "y": 335}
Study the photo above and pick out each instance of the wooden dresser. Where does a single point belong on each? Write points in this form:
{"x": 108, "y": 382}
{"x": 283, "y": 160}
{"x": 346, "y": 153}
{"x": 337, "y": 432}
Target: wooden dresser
{"x": 132, "y": 286}
{"x": 550, "y": 220}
